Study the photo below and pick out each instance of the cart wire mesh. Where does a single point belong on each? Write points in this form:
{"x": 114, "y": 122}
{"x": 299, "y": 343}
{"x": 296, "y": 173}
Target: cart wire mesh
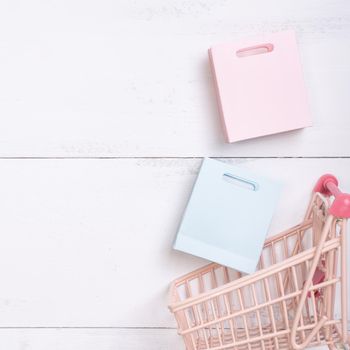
{"x": 288, "y": 303}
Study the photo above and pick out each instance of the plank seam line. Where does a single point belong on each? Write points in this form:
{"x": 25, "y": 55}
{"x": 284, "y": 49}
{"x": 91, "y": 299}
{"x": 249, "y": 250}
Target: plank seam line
{"x": 93, "y": 327}
{"x": 85, "y": 327}
{"x": 173, "y": 157}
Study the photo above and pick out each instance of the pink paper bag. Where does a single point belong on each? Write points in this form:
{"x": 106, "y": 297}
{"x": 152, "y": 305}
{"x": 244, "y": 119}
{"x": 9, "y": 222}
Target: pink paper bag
{"x": 260, "y": 86}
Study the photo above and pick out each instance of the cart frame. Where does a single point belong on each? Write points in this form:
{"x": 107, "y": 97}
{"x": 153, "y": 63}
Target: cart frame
{"x": 289, "y": 302}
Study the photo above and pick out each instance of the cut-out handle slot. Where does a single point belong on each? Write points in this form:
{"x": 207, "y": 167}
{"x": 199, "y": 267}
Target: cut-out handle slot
{"x": 254, "y": 50}
{"x": 240, "y": 182}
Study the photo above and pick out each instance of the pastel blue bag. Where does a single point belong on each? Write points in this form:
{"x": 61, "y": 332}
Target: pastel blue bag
{"x": 228, "y": 215}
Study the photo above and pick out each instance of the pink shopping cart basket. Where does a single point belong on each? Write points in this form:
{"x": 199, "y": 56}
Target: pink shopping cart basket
{"x": 289, "y": 302}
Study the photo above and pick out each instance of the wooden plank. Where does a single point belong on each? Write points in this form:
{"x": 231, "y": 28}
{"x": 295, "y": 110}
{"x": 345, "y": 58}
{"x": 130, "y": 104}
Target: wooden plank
{"x": 88, "y": 242}
{"x": 125, "y": 79}
{"x": 92, "y": 339}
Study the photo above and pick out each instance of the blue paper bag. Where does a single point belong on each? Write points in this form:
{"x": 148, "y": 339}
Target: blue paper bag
{"x": 228, "y": 215}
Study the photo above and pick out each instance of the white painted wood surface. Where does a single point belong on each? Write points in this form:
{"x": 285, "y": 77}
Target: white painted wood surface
{"x": 92, "y": 339}
{"x": 131, "y": 78}
{"x": 85, "y": 244}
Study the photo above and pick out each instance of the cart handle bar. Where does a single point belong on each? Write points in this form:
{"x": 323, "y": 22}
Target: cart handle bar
{"x": 328, "y": 186}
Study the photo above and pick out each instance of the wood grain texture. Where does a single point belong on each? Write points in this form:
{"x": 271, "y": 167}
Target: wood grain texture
{"x": 88, "y": 242}
{"x": 93, "y": 339}
{"x": 131, "y": 78}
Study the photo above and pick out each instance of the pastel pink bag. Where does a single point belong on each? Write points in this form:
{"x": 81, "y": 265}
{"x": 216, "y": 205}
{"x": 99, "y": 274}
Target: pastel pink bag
{"x": 260, "y": 86}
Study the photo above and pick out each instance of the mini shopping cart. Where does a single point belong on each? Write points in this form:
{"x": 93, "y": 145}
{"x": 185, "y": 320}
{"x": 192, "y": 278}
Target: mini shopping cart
{"x": 289, "y": 302}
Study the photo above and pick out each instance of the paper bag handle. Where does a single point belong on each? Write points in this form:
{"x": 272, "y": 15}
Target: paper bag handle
{"x": 255, "y": 50}
{"x": 240, "y": 181}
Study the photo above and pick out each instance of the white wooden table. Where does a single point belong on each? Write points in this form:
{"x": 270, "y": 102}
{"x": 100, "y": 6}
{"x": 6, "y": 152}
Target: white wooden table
{"x": 106, "y": 109}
